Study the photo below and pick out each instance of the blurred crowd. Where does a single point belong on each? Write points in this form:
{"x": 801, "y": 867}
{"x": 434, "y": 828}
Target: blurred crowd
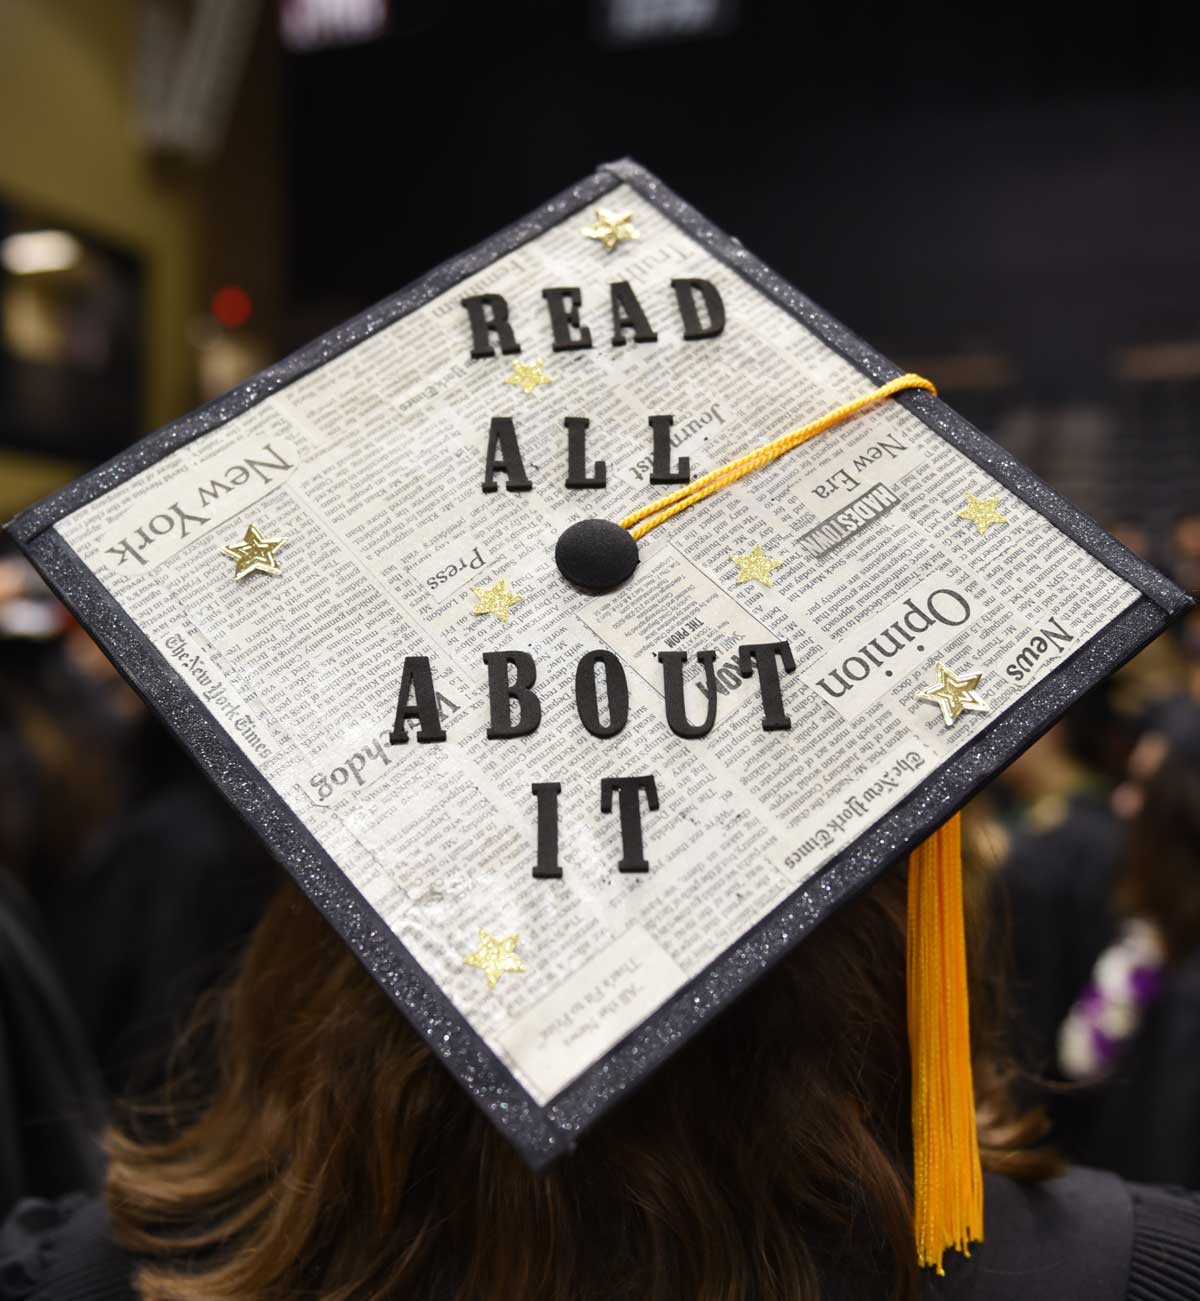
{"x": 1093, "y": 837}
{"x": 127, "y": 887}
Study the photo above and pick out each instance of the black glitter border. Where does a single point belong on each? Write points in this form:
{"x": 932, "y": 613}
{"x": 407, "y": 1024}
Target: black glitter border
{"x": 543, "y": 1133}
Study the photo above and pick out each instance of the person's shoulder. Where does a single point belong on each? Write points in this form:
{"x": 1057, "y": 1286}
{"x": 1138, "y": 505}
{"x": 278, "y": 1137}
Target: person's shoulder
{"x": 62, "y": 1250}
{"x": 1086, "y": 1233}
{"x": 1166, "y": 1244}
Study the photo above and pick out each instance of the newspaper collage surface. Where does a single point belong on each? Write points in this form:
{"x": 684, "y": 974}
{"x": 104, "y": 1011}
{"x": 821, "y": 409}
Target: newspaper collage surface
{"x": 371, "y": 466}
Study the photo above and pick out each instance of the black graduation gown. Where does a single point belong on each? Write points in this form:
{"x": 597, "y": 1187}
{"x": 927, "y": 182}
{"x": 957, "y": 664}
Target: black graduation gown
{"x": 151, "y": 919}
{"x": 1144, "y": 1122}
{"x": 1086, "y": 1236}
{"x": 1055, "y": 889}
{"x": 51, "y": 1100}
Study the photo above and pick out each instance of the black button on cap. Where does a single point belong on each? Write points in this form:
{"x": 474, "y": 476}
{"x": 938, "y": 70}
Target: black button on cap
{"x": 596, "y": 554}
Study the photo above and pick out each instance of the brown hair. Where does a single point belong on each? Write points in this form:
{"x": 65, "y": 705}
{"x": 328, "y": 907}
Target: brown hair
{"x": 328, "y": 1153}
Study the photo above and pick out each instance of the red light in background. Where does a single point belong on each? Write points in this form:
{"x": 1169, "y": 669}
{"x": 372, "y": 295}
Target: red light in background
{"x": 232, "y": 306}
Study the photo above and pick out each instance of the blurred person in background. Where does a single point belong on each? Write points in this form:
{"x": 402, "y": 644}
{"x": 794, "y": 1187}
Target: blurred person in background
{"x": 1133, "y": 1032}
{"x": 1059, "y": 841}
{"x": 126, "y": 885}
{"x": 55, "y": 792}
{"x": 68, "y": 726}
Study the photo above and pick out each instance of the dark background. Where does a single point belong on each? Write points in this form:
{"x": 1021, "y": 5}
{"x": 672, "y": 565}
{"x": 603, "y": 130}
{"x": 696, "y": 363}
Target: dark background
{"x": 1011, "y": 192}
{"x": 940, "y": 178}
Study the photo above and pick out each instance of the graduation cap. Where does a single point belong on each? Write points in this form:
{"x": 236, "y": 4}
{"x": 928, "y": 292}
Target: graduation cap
{"x": 582, "y": 625}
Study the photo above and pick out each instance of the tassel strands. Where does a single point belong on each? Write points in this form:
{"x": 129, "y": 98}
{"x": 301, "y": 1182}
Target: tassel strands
{"x": 649, "y": 517}
{"x": 947, "y": 1175}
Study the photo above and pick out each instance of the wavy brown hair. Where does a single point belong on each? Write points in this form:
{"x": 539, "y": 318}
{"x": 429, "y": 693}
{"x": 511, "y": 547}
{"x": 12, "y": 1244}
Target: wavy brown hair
{"x": 322, "y": 1151}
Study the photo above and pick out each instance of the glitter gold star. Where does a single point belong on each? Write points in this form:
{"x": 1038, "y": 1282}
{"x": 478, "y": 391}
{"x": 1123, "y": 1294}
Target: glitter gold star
{"x": 954, "y": 695}
{"x": 756, "y": 567}
{"x": 611, "y": 228}
{"x": 527, "y": 377}
{"x": 983, "y": 512}
{"x": 254, "y": 554}
{"x": 497, "y": 599}
{"x": 495, "y": 957}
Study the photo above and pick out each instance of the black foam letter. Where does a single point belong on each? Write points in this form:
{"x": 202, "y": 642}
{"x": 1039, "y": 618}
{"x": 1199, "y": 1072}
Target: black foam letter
{"x": 685, "y": 291}
{"x": 577, "y": 475}
{"x": 616, "y": 688}
{"x": 501, "y": 691}
{"x": 677, "y": 720}
{"x": 547, "y": 845}
{"x": 564, "y": 317}
{"x": 763, "y": 653}
{"x": 633, "y": 855}
{"x": 417, "y": 678}
{"x": 627, "y": 314}
{"x": 660, "y": 471}
{"x": 504, "y": 457}
{"x": 483, "y": 324}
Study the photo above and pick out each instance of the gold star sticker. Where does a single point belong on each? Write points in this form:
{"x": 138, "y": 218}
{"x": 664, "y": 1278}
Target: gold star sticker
{"x": 756, "y": 567}
{"x": 494, "y": 957}
{"x": 254, "y": 553}
{"x": 983, "y": 512}
{"x": 611, "y": 228}
{"x": 527, "y": 377}
{"x": 497, "y": 599}
{"x": 954, "y": 696}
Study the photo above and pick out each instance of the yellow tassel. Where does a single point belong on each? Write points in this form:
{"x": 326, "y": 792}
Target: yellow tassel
{"x": 946, "y": 1172}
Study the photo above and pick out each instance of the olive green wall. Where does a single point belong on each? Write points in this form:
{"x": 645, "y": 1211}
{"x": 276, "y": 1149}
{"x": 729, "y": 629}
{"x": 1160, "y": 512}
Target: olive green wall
{"x": 69, "y": 146}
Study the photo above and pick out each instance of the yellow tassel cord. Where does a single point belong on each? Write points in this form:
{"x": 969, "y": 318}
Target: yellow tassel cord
{"x": 947, "y": 1175}
{"x": 665, "y": 508}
